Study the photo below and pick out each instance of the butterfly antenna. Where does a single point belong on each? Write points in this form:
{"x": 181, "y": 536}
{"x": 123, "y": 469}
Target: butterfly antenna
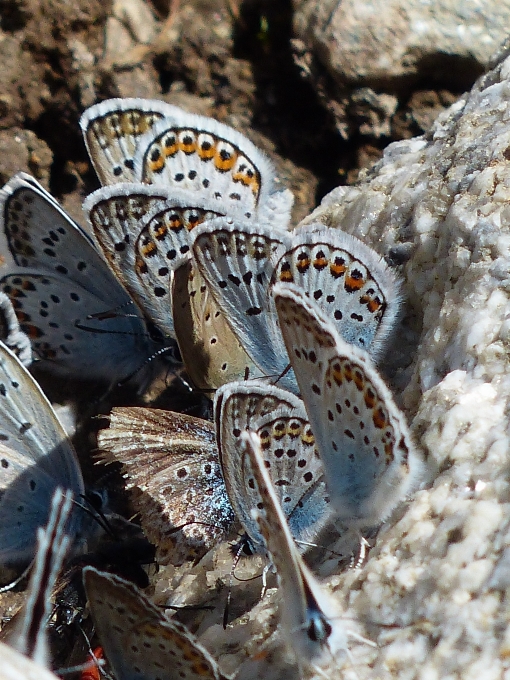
{"x": 235, "y": 562}
{"x": 155, "y": 355}
{"x": 96, "y": 514}
{"x": 113, "y": 312}
{"x": 283, "y": 374}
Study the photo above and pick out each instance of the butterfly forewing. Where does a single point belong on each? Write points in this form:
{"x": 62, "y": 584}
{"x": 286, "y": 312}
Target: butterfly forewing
{"x": 310, "y": 617}
{"x": 237, "y": 262}
{"x": 144, "y": 234}
{"x": 16, "y": 666}
{"x": 112, "y": 130}
{"x": 30, "y": 634}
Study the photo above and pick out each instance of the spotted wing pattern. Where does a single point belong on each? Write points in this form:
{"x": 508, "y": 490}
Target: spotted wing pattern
{"x": 36, "y": 457}
{"x": 348, "y": 280}
{"x": 310, "y": 616}
{"x": 370, "y": 461}
{"x": 140, "y": 643}
{"x": 288, "y": 445}
{"x": 237, "y": 261}
{"x": 211, "y": 352}
{"x": 66, "y": 298}
{"x": 112, "y": 130}
{"x": 143, "y": 232}
{"x": 171, "y": 461}
{"x": 199, "y": 154}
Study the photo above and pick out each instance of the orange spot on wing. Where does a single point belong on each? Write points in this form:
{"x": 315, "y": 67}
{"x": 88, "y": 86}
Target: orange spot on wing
{"x": 379, "y": 418}
{"x": 157, "y": 162}
{"x": 353, "y": 283}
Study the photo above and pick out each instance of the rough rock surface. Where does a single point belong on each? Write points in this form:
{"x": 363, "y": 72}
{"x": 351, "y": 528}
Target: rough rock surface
{"x": 366, "y": 57}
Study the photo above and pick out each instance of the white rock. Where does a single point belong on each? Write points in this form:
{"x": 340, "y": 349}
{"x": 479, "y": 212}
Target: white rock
{"x": 438, "y": 575}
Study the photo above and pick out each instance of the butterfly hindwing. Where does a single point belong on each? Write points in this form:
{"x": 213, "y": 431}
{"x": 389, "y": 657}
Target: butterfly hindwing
{"x": 369, "y": 458}
{"x": 172, "y": 462}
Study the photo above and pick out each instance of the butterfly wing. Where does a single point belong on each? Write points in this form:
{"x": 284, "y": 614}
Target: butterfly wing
{"x": 172, "y": 461}
{"x": 44, "y": 240}
{"x": 348, "y": 280}
{"x": 311, "y": 618}
{"x": 210, "y": 350}
{"x": 279, "y": 418}
{"x": 200, "y": 154}
{"x": 30, "y": 636}
{"x": 15, "y": 666}
{"x": 370, "y": 461}
{"x": 36, "y": 457}
{"x": 140, "y": 643}
{"x": 112, "y": 130}
{"x": 143, "y": 232}
{"x": 237, "y": 262}
{"x": 53, "y": 312}
{"x": 40, "y": 234}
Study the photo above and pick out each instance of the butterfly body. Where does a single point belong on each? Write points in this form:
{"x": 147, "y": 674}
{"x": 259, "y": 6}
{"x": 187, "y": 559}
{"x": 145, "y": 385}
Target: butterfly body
{"x": 11, "y": 334}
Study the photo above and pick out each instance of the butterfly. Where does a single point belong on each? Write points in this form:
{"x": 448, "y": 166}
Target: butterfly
{"x": 280, "y": 420}
{"x": 171, "y": 460}
{"x": 199, "y": 154}
{"x": 11, "y": 334}
{"x": 311, "y": 619}
{"x": 144, "y": 235}
{"x": 36, "y": 457}
{"x": 60, "y": 283}
{"x": 143, "y": 232}
{"x": 30, "y": 636}
{"x": 112, "y": 130}
{"x": 241, "y": 262}
{"x": 139, "y": 641}
{"x": 189, "y": 494}
{"x": 370, "y": 461}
